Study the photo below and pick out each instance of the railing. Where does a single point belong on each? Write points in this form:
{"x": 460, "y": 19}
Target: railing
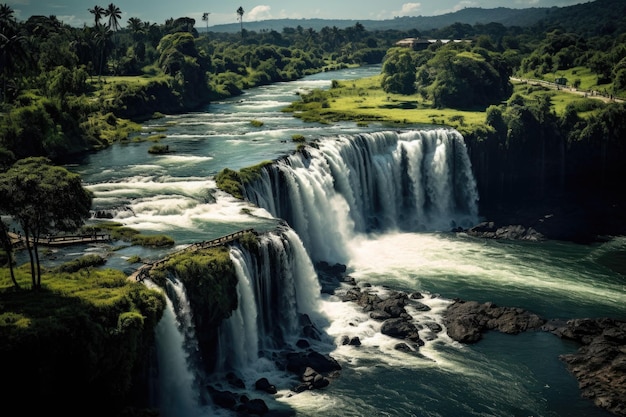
{"x": 143, "y": 271}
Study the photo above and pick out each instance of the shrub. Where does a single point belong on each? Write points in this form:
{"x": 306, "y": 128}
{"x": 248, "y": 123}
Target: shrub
{"x": 82, "y": 262}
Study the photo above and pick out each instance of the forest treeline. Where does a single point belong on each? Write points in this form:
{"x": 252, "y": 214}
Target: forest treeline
{"x": 527, "y": 151}
{"x": 58, "y": 93}
{"x": 70, "y": 89}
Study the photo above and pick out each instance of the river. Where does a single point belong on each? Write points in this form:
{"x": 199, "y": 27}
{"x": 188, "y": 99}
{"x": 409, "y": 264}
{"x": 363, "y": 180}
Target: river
{"x": 502, "y": 375}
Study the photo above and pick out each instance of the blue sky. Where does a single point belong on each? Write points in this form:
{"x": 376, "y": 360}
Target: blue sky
{"x": 74, "y": 12}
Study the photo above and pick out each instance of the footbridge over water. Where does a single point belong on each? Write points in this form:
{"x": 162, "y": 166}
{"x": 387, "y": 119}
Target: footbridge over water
{"x": 143, "y": 272}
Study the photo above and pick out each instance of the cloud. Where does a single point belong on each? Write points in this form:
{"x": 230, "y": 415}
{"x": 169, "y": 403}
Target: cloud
{"x": 259, "y": 13}
{"x": 463, "y": 4}
{"x": 409, "y": 9}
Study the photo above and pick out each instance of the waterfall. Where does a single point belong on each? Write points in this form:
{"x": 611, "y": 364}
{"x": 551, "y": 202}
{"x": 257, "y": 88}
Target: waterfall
{"x": 369, "y": 183}
{"x": 177, "y": 392}
{"x": 278, "y": 298}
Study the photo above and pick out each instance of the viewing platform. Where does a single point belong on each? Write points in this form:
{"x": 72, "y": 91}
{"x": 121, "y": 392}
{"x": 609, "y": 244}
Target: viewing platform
{"x": 19, "y": 240}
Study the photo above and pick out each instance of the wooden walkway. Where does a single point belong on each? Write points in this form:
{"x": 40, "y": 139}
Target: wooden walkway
{"x": 18, "y": 240}
{"x": 143, "y": 271}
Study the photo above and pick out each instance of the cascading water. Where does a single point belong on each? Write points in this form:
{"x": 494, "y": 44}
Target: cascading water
{"x": 177, "y": 388}
{"x": 411, "y": 181}
{"x": 353, "y": 198}
{"x": 277, "y": 287}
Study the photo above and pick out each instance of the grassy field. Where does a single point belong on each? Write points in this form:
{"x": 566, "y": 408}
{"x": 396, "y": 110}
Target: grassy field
{"x": 364, "y": 101}
{"x": 583, "y": 76}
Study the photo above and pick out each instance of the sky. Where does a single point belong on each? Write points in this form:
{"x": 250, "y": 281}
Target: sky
{"x": 75, "y": 12}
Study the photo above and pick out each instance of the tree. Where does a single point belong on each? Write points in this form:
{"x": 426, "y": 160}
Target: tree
{"x": 98, "y": 13}
{"x": 399, "y": 71}
{"x": 13, "y": 47}
{"x": 114, "y": 14}
{"x": 205, "y": 18}
{"x": 240, "y": 13}
{"x": 102, "y": 39}
{"x": 43, "y": 198}
{"x": 7, "y": 246}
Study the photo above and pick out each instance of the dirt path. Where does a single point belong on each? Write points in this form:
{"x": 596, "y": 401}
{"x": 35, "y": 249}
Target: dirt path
{"x": 591, "y": 94}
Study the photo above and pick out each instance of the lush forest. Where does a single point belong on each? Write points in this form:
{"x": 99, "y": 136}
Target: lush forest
{"x": 65, "y": 89}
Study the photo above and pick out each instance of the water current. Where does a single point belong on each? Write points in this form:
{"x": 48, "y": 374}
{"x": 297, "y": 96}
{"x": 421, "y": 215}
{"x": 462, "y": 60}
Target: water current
{"x": 502, "y": 375}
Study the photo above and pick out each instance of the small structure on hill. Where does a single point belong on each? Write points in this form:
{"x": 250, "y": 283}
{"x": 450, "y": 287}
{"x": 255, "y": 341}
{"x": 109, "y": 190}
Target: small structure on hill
{"x": 419, "y": 44}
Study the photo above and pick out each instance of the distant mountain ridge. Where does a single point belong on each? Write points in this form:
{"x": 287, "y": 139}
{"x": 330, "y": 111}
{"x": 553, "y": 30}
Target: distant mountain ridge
{"x": 610, "y": 12}
{"x": 471, "y": 16}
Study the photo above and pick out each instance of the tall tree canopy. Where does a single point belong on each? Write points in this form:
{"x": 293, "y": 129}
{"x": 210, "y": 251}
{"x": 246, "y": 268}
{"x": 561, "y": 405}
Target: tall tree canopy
{"x": 43, "y": 198}
{"x": 114, "y": 14}
{"x": 240, "y": 13}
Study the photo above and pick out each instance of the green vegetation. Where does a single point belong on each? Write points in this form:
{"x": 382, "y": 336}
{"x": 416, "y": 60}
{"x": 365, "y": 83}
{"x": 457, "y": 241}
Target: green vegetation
{"x": 256, "y": 123}
{"x": 42, "y": 199}
{"x": 82, "y": 263}
{"x": 159, "y": 149}
{"x": 364, "y": 100}
{"x": 84, "y": 332}
{"x": 121, "y": 232}
{"x": 210, "y": 280}
{"x": 233, "y": 182}
{"x": 65, "y": 90}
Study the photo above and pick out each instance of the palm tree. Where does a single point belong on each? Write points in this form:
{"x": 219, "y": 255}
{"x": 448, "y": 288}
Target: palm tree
{"x": 205, "y": 18}
{"x": 101, "y": 38}
{"x": 114, "y": 14}
{"x": 98, "y": 13}
{"x": 135, "y": 25}
{"x": 13, "y": 48}
{"x": 240, "y": 13}
{"x": 6, "y": 13}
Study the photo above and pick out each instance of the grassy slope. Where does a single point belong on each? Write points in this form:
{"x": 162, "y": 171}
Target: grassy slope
{"x": 363, "y": 100}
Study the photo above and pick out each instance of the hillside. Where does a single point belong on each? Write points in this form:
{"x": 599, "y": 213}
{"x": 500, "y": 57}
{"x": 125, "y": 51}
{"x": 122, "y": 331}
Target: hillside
{"x": 471, "y": 16}
{"x": 596, "y": 17}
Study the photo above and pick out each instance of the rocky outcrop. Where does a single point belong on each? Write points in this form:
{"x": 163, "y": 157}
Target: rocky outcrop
{"x": 600, "y": 363}
{"x": 391, "y": 310}
{"x": 490, "y": 230}
{"x": 466, "y": 321}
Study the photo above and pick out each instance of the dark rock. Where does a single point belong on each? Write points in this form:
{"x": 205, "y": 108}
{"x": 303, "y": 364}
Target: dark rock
{"x": 330, "y": 276}
{"x": 489, "y": 230}
{"x": 255, "y": 407}
{"x": 599, "y": 365}
{"x": 403, "y": 347}
{"x": 380, "y": 315}
{"x": 297, "y": 362}
{"x": 393, "y": 306}
{"x": 400, "y": 329}
{"x": 420, "y": 306}
{"x": 433, "y": 327}
{"x": 467, "y": 320}
{"x": 235, "y": 381}
{"x": 301, "y": 388}
{"x": 264, "y": 385}
{"x": 355, "y": 341}
{"x": 224, "y": 399}
{"x": 320, "y": 382}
